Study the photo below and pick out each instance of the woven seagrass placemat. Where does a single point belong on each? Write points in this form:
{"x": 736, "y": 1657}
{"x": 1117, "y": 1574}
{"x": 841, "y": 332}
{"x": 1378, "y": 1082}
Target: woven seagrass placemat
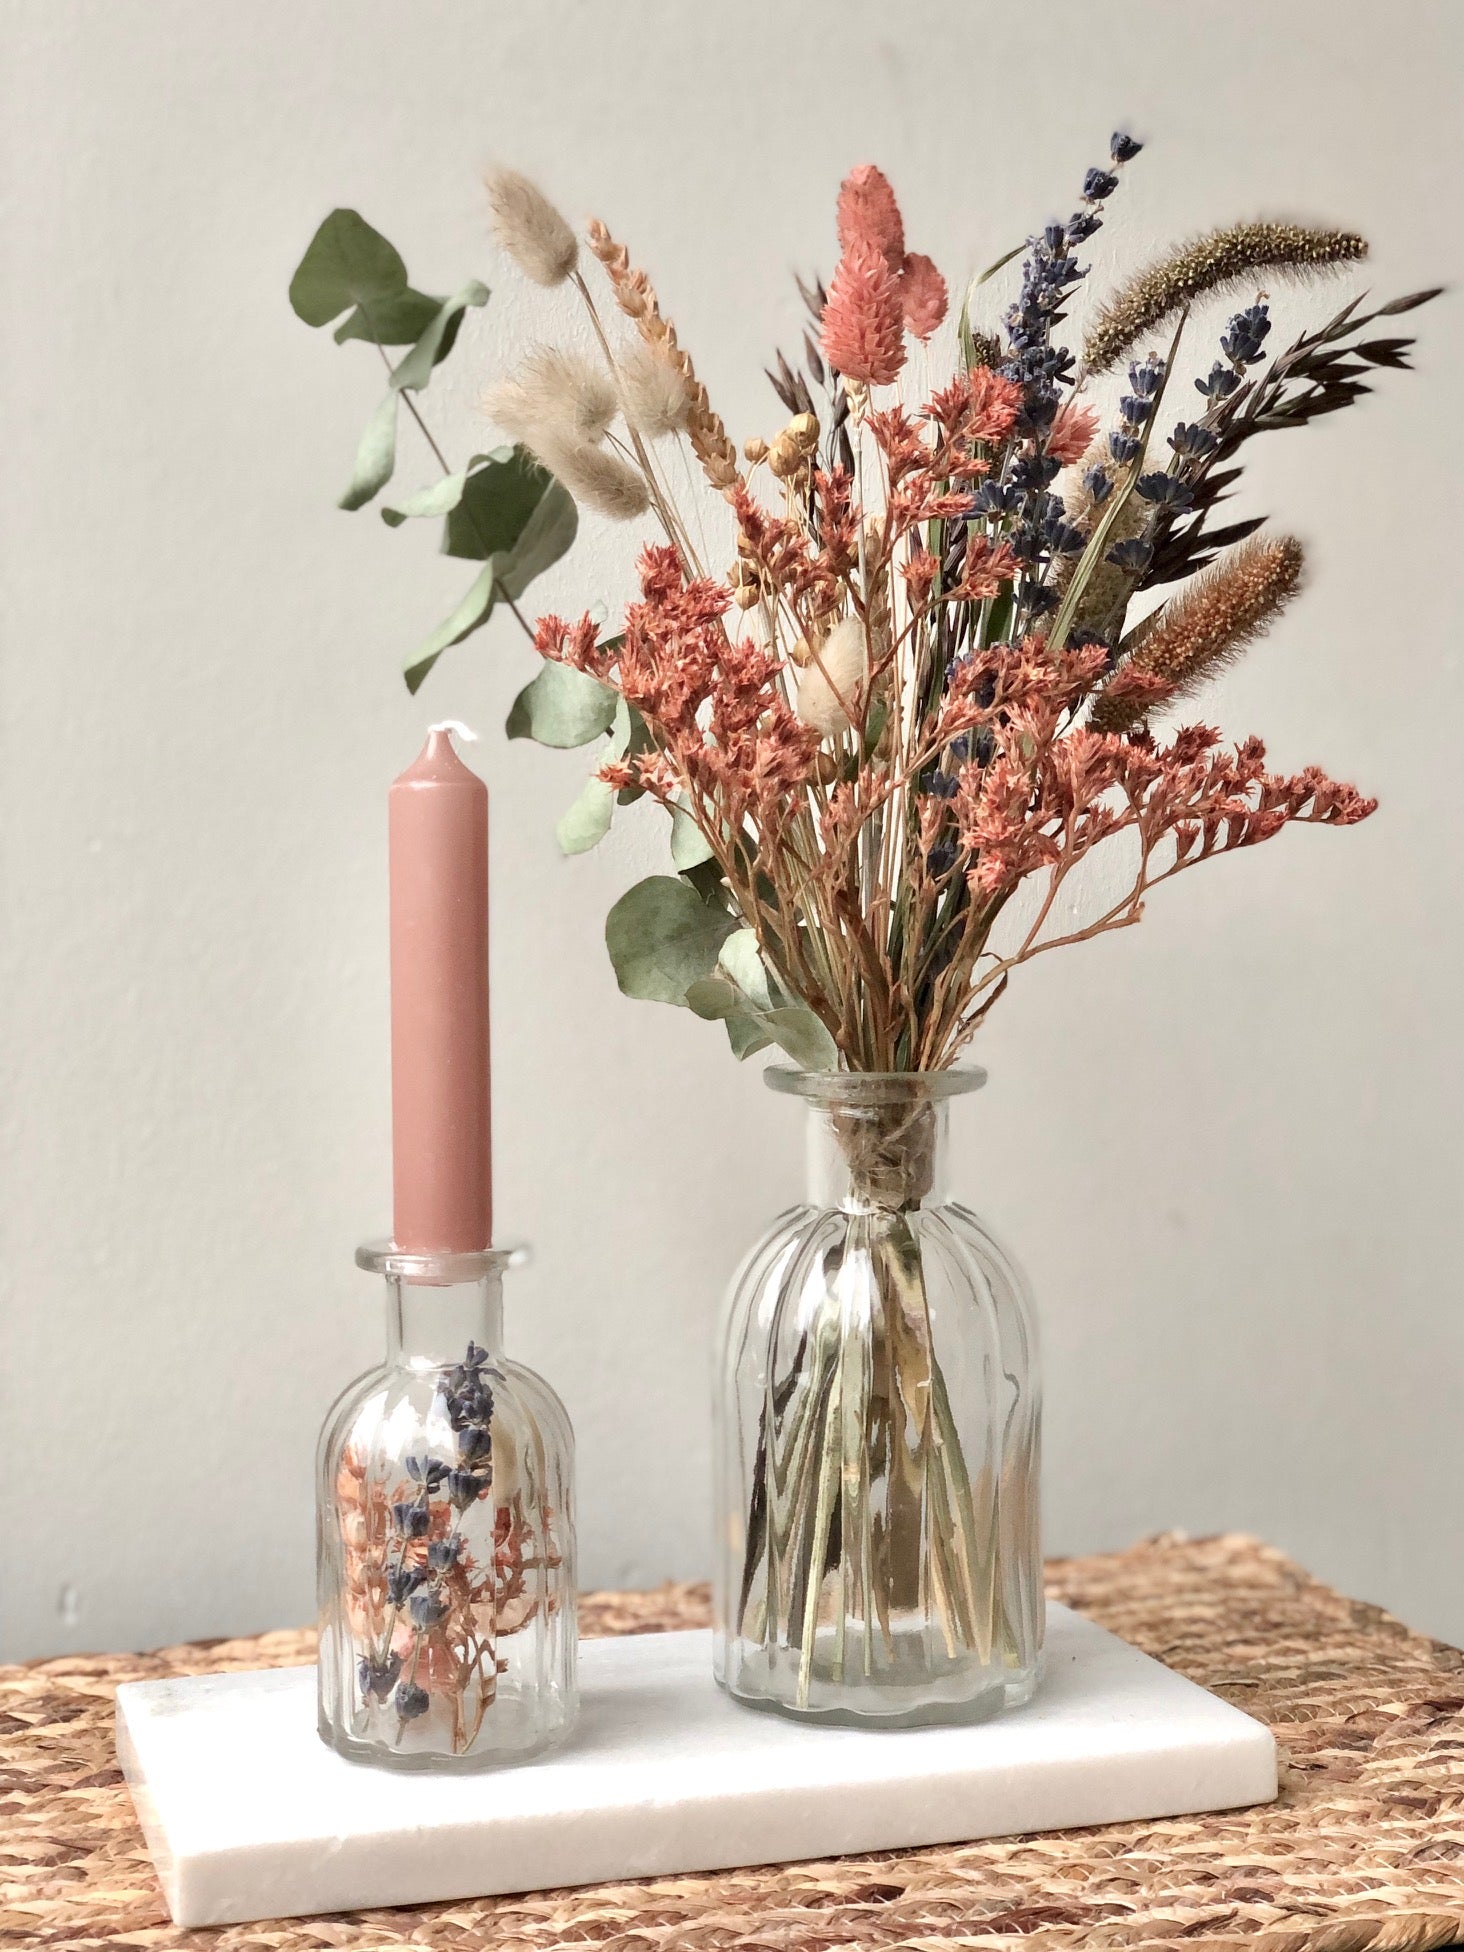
{"x": 1364, "y": 1852}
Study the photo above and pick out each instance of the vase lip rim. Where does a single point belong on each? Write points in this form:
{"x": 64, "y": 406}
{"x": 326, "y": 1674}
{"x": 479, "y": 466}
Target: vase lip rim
{"x": 869, "y": 1088}
{"x": 444, "y": 1269}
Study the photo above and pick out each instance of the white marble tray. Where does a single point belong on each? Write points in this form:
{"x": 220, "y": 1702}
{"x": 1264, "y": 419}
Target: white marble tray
{"x": 248, "y": 1814}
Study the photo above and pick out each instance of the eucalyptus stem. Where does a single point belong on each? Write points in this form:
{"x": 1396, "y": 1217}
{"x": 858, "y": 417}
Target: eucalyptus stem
{"x": 442, "y": 461}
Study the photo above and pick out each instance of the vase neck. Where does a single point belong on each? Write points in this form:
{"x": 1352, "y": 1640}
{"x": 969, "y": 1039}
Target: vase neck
{"x": 430, "y": 1324}
{"x": 879, "y": 1157}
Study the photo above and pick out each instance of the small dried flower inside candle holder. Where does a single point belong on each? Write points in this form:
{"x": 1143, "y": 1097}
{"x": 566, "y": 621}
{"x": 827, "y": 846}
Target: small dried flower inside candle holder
{"x": 445, "y": 1534}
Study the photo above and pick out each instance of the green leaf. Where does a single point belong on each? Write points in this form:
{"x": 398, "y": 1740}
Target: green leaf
{"x": 438, "y": 499}
{"x": 397, "y": 321}
{"x": 804, "y": 1037}
{"x": 874, "y": 726}
{"x": 416, "y": 369}
{"x": 662, "y": 938}
{"x": 497, "y": 505}
{"x": 747, "y": 1036}
{"x": 562, "y": 707}
{"x": 587, "y": 822}
{"x": 741, "y": 960}
{"x": 470, "y": 615}
{"x": 706, "y": 878}
{"x": 375, "y": 457}
{"x": 713, "y": 998}
{"x": 689, "y": 845}
{"x": 639, "y": 740}
{"x": 991, "y": 270}
{"x": 545, "y": 537}
{"x": 345, "y": 263}
{"x": 522, "y": 521}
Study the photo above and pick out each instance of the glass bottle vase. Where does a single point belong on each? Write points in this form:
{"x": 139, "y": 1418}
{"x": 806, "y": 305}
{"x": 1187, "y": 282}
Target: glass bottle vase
{"x": 878, "y": 1555}
{"x": 445, "y": 1535}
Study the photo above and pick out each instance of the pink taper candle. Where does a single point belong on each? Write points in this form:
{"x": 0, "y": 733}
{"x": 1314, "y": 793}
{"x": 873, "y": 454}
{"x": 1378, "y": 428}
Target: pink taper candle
{"x": 441, "y": 1140}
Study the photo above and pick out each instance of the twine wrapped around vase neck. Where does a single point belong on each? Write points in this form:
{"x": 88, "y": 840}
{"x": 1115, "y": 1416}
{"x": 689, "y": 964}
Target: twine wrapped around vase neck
{"x": 889, "y": 1153}
{"x": 876, "y": 1139}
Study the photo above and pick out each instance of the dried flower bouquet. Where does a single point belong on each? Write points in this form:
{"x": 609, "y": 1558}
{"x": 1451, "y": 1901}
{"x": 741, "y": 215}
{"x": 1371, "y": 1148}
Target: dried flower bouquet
{"x": 924, "y": 672}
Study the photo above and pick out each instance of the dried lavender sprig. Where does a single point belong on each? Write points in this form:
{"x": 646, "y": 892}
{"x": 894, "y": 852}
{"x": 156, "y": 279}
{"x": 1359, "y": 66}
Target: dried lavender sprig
{"x": 1050, "y": 275}
{"x": 1117, "y": 499}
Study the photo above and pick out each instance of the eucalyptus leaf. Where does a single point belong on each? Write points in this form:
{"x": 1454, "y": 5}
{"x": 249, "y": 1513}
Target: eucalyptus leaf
{"x": 662, "y": 938}
{"x": 521, "y": 520}
{"x": 497, "y": 505}
{"x": 545, "y": 537}
{"x": 345, "y": 263}
{"x": 396, "y": 321}
{"x": 747, "y": 1035}
{"x": 689, "y": 845}
{"x": 438, "y": 499}
{"x": 713, "y": 998}
{"x": 375, "y": 457}
{"x": 706, "y": 878}
{"x": 741, "y": 960}
{"x": 416, "y": 369}
{"x": 587, "y": 822}
{"x": 804, "y": 1037}
{"x": 562, "y": 707}
{"x": 470, "y": 615}
{"x": 638, "y": 740}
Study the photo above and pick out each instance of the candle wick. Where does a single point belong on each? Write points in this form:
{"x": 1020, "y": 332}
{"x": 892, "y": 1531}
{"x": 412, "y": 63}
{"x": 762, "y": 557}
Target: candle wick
{"x": 457, "y": 728}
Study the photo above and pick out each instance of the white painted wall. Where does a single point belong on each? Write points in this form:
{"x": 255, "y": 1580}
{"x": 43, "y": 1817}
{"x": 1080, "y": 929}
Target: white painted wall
{"x": 1227, "y": 1144}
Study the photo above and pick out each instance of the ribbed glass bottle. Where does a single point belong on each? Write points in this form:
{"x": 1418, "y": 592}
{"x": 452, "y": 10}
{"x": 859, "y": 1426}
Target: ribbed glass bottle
{"x": 445, "y": 1535}
{"x": 878, "y": 1554}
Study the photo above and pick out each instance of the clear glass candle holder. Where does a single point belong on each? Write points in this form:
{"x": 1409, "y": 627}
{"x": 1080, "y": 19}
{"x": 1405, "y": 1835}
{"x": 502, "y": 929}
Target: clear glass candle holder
{"x": 445, "y": 1534}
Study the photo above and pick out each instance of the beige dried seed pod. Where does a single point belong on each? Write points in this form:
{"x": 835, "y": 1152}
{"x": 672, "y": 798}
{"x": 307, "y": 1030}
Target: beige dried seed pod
{"x": 746, "y": 595}
{"x": 802, "y": 429}
{"x": 799, "y": 652}
{"x": 755, "y": 450}
{"x": 786, "y": 458}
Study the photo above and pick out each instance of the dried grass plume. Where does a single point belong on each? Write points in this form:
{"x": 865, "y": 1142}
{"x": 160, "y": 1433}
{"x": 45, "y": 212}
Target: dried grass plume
{"x": 655, "y": 393}
{"x": 596, "y": 477}
{"x": 530, "y": 229}
{"x": 832, "y": 681}
{"x": 1203, "y": 629}
{"x": 1217, "y": 262}
{"x": 554, "y": 392}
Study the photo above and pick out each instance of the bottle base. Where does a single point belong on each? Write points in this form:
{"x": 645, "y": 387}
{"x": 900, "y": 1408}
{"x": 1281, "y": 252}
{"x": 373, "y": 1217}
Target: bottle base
{"x": 883, "y": 1708}
{"x": 380, "y": 1755}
